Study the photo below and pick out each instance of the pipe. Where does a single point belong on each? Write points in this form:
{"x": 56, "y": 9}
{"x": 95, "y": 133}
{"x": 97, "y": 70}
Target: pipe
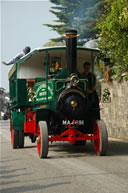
{"x": 71, "y": 51}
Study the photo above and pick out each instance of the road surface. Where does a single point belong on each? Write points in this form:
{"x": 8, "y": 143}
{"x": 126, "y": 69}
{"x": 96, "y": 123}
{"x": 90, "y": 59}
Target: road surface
{"x": 67, "y": 169}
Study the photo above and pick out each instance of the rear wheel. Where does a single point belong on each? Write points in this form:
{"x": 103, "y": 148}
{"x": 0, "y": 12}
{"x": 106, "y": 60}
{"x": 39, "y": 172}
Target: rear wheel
{"x": 101, "y": 137}
{"x": 11, "y": 130}
{"x": 21, "y": 139}
{"x": 15, "y": 140}
{"x": 17, "y": 137}
{"x": 42, "y": 140}
{"x": 14, "y": 136}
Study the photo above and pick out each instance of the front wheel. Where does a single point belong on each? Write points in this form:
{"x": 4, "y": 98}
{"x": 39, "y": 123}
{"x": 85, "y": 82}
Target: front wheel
{"x": 42, "y": 140}
{"x": 101, "y": 137}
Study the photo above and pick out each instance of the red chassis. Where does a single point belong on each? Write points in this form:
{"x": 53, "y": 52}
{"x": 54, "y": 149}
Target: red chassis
{"x": 72, "y": 135}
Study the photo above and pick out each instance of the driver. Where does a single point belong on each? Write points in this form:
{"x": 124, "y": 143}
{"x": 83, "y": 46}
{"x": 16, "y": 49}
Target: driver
{"x": 92, "y": 94}
{"x": 88, "y": 75}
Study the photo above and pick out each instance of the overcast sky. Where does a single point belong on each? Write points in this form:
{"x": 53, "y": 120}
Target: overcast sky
{"x": 22, "y": 25}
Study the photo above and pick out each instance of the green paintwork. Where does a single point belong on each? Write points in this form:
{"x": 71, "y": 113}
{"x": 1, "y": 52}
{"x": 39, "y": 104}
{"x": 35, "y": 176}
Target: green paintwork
{"x": 18, "y": 92}
{"x": 44, "y": 92}
{"x": 47, "y": 89}
{"x": 18, "y": 120}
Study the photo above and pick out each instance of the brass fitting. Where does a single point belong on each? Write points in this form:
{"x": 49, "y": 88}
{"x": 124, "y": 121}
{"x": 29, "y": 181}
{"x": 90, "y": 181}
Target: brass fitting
{"x": 74, "y": 104}
{"x": 74, "y": 80}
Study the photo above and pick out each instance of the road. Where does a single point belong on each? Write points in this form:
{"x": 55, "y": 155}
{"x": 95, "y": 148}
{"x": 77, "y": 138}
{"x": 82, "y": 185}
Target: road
{"x": 67, "y": 169}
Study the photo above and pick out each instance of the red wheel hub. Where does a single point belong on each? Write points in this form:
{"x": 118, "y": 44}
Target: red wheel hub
{"x": 96, "y": 132}
{"x": 38, "y": 141}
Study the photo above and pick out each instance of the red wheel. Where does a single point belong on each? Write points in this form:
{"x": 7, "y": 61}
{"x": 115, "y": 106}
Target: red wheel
{"x": 11, "y": 130}
{"x": 101, "y": 137}
{"x": 14, "y": 136}
{"x": 42, "y": 140}
{"x": 38, "y": 144}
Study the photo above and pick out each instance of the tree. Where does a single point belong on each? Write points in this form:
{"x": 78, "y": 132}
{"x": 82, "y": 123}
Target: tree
{"x": 78, "y": 14}
{"x": 113, "y": 35}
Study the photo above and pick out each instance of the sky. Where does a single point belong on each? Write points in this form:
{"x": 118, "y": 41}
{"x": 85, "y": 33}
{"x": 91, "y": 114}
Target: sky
{"x": 22, "y": 25}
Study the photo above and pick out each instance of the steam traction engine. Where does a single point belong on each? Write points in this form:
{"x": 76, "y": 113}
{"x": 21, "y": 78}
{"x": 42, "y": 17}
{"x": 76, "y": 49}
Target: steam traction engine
{"x": 51, "y": 100}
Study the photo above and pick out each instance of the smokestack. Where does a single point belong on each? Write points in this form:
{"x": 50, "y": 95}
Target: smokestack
{"x": 71, "y": 45}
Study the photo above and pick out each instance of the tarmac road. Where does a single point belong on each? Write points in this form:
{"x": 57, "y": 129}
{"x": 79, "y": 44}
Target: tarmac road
{"x": 67, "y": 169}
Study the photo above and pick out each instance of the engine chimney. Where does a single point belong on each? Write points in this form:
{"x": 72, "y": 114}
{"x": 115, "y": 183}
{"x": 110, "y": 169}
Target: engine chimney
{"x": 71, "y": 44}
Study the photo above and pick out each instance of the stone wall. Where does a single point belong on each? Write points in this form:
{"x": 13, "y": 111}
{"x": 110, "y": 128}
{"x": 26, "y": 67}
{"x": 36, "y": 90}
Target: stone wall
{"x": 115, "y": 114}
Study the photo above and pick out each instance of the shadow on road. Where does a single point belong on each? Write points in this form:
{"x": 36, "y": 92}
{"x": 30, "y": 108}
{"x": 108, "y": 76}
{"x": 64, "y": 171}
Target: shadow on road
{"x": 65, "y": 150}
{"x": 115, "y": 148}
{"x": 29, "y": 147}
{"x": 34, "y": 187}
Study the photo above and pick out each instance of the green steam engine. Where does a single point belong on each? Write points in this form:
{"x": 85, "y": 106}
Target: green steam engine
{"x": 51, "y": 100}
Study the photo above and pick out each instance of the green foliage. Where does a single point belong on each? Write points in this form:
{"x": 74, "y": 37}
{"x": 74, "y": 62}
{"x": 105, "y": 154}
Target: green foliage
{"x": 113, "y": 29}
{"x": 78, "y": 14}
